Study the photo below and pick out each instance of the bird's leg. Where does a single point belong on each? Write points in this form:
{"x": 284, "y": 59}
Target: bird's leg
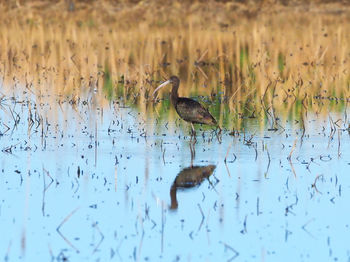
{"x": 193, "y": 135}
{"x": 220, "y": 130}
{"x": 212, "y": 185}
{"x": 218, "y": 135}
{"x": 193, "y": 131}
{"x": 193, "y": 151}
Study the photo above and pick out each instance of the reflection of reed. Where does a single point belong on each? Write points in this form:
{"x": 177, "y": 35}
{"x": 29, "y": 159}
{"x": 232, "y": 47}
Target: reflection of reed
{"x": 189, "y": 177}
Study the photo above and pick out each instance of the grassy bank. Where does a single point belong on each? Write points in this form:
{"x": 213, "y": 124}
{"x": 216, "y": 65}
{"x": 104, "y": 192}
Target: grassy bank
{"x": 278, "y": 59}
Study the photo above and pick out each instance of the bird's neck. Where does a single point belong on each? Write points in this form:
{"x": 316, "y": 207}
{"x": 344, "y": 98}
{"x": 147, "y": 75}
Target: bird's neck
{"x": 174, "y": 203}
{"x": 174, "y": 95}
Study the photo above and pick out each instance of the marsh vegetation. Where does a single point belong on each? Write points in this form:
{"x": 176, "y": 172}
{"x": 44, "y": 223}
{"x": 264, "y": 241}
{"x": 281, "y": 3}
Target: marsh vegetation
{"x": 93, "y": 167}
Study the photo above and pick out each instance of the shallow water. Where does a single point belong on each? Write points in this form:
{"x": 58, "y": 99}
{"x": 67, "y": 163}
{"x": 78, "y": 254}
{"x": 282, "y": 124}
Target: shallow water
{"x": 85, "y": 182}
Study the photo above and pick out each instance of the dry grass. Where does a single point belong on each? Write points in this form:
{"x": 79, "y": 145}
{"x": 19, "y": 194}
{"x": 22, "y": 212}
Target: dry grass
{"x": 263, "y": 63}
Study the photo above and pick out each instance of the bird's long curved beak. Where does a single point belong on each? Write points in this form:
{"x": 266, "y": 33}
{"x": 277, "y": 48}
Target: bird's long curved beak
{"x": 160, "y": 86}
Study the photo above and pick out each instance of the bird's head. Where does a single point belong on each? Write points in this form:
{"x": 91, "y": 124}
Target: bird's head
{"x": 174, "y": 80}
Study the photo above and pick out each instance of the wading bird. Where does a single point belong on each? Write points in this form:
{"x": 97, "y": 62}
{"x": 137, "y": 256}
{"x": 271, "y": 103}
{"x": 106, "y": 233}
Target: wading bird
{"x": 188, "y": 109}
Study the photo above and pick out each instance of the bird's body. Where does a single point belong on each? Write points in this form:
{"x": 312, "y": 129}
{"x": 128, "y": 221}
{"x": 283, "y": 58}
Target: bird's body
{"x": 187, "y": 108}
{"x": 189, "y": 177}
{"x": 193, "y": 112}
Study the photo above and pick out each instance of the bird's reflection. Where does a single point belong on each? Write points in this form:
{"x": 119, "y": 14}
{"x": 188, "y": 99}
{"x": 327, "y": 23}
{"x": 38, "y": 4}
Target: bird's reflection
{"x": 189, "y": 177}
{"x": 193, "y": 150}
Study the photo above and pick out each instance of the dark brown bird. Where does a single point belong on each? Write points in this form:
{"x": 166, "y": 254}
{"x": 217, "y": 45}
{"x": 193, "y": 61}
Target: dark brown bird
{"x": 189, "y": 177}
{"x": 188, "y": 109}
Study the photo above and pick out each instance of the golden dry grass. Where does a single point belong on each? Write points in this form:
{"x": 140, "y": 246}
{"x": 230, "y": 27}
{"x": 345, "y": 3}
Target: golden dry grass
{"x": 257, "y": 62}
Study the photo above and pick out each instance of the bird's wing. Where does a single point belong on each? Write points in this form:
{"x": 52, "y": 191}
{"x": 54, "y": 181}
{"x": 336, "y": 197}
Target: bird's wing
{"x": 192, "y": 111}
